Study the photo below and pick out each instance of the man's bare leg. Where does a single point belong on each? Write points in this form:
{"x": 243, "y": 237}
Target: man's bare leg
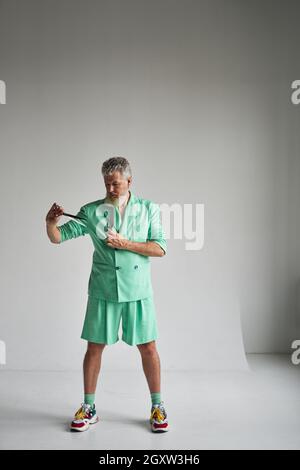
{"x": 151, "y": 365}
{"x": 92, "y": 365}
{"x": 87, "y": 415}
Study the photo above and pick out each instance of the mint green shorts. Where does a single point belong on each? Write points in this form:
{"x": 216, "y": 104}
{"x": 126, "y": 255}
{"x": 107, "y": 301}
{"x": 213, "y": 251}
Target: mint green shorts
{"x": 102, "y": 321}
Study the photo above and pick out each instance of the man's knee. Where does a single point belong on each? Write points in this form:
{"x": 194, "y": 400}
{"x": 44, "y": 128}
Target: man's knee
{"x": 95, "y": 348}
{"x": 147, "y": 348}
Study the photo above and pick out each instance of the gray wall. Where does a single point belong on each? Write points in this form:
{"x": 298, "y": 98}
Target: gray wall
{"x": 196, "y": 94}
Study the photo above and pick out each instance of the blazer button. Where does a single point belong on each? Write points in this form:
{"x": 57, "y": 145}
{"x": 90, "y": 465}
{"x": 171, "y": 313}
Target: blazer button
{"x": 136, "y": 266}
{"x": 117, "y": 267}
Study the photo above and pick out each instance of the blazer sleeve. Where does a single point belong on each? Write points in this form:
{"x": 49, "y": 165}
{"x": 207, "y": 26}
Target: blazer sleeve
{"x": 73, "y": 229}
{"x": 156, "y": 232}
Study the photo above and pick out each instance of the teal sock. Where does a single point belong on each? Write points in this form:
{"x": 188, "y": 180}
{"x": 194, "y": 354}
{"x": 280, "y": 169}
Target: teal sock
{"x": 89, "y": 398}
{"x": 155, "y": 397}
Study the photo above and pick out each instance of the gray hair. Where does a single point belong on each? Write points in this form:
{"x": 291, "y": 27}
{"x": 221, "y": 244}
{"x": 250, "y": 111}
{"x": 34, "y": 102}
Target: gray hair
{"x": 113, "y": 164}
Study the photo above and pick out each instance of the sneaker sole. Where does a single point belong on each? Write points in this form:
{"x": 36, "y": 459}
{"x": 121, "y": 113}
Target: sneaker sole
{"x": 86, "y": 427}
{"x": 160, "y": 429}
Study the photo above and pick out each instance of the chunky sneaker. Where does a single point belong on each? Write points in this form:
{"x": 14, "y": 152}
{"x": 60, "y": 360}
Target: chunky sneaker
{"x": 85, "y": 416}
{"x": 158, "y": 418}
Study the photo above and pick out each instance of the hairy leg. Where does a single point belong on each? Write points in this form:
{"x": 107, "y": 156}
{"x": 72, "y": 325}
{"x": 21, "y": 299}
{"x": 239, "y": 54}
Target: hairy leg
{"x": 151, "y": 365}
{"x": 92, "y": 365}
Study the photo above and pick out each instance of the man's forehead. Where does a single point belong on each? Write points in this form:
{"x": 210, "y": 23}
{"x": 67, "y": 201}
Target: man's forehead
{"x": 116, "y": 176}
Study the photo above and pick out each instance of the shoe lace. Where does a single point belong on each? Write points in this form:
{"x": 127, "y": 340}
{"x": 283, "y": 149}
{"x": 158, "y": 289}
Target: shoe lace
{"x": 81, "y": 413}
{"x": 158, "y": 413}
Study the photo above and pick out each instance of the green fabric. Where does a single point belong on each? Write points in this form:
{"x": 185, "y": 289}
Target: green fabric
{"x": 118, "y": 275}
{"x": 103, "y": 318}
{"x": 89, "y": 398}
{"x": 155, "y": 398}
{"x": 118, "y": 219}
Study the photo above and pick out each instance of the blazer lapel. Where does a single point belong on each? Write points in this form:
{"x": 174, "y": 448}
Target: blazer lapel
{"x": 129, "y": 215}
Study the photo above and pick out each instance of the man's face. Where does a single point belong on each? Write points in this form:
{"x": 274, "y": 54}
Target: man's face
{"x": 116, "y": 185}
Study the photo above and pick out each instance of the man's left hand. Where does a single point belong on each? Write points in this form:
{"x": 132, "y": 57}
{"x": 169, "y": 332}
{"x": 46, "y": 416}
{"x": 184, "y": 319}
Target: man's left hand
{"x": 116, "y": 240}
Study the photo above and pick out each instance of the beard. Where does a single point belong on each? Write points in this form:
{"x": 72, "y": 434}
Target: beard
{"x": 117, "y": 201}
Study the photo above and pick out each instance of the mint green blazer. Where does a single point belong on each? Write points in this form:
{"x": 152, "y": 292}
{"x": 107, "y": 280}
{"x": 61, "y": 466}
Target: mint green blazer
{"x": 118, "y": 275}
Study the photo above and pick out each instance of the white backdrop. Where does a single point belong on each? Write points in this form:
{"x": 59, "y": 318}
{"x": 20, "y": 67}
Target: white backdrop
{"x": 196, "y": 95}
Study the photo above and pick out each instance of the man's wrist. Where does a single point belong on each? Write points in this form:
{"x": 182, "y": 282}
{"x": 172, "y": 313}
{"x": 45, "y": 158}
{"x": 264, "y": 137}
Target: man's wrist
{"x": 128, "y": 245}
{"x": 50, "y": 224}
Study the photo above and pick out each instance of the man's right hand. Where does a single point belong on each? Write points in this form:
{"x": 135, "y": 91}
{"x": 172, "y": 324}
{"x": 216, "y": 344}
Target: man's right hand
{"x": 54, "y": 214}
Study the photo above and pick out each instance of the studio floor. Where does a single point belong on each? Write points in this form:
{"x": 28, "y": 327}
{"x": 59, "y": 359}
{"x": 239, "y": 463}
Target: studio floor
{"x": 255, "y": 409}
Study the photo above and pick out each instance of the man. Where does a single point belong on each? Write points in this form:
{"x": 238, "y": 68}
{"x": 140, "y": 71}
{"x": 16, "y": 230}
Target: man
{"x": 125, "y": 231}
